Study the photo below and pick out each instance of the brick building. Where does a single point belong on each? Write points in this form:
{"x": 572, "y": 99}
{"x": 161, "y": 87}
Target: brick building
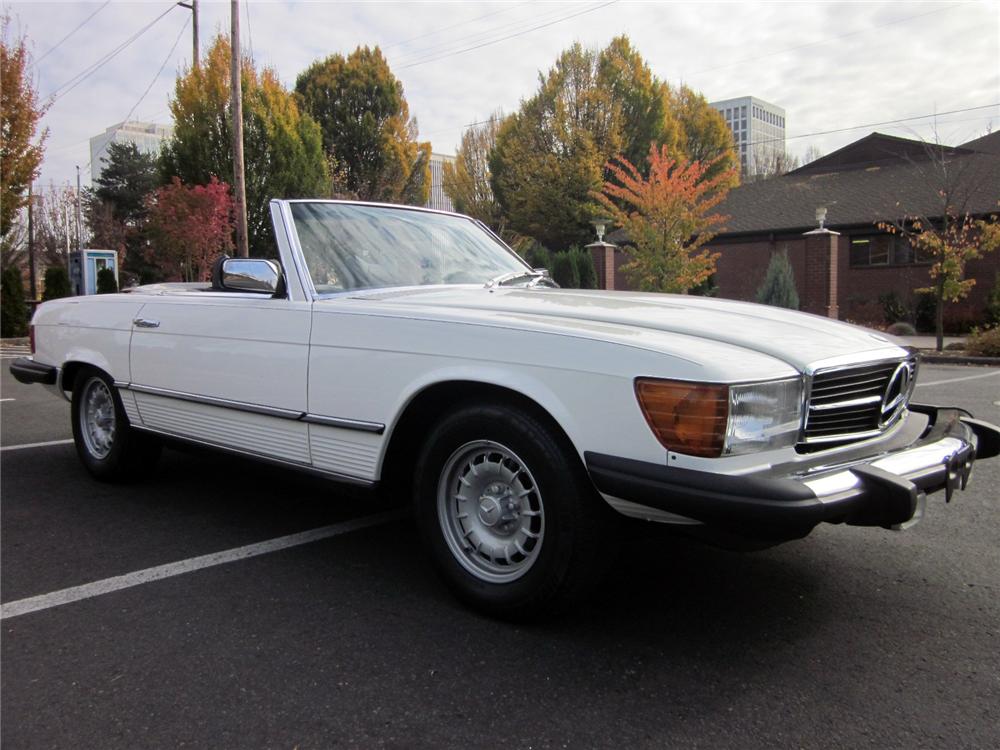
{"x": 842, "y": 273}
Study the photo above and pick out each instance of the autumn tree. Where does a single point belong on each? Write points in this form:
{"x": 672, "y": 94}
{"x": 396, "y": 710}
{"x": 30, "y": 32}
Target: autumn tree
{"x": 702, "y": 134}
{"x": 668, "y": 216}
{"x": 282, "y": 146}
{"x": 591, "y": 106}
{"x": 21, "y": 144}
{"x": 467, "y": 181}
{"x": 368, "y": 134}
{"x": 191, "y": 225}
{"x": 949, "y": 235}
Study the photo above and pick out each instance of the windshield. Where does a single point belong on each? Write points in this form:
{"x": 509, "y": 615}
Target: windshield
{"x": 349, "y": 246}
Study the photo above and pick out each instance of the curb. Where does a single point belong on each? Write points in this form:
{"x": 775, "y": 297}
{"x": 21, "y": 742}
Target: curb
{"x": 955, "y": 359}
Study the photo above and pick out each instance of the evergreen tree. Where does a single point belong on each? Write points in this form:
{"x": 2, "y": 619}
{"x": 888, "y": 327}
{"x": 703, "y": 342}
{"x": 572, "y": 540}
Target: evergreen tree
{"x": 585, "y": 268}
{"x": 56, "y": 283}
{"x": 565, "y": 271}
{"x": 106, "y": 282}
{"x": 13, "y": 309}
{"x": 778, "y": 288}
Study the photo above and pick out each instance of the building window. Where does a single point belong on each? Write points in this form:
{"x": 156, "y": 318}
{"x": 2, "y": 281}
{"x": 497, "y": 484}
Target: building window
{"x": 883, "y": 250}
{"x": 743, "y": 112}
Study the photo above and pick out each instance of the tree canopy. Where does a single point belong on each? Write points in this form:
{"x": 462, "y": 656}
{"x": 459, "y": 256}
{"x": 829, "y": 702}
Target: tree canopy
{"x": 467, "y": 181}
{"x": 192, "y": 225}
{"x": 368, "y": 134}
{"x": 590, "y": 107}
{"x": 668, "y": 217}
{"x": 21, "y": 145}
{"x": 282, "y": 146}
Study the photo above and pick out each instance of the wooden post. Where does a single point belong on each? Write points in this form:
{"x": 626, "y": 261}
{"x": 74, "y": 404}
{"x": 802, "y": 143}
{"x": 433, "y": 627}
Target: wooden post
{"x": 239, "y": 185}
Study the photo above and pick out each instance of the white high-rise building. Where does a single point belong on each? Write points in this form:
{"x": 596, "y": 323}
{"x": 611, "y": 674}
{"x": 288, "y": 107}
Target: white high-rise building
{"x": 147, "y": 136}
{"x": 758, "y": 129}
{"x": 438, "y": 198}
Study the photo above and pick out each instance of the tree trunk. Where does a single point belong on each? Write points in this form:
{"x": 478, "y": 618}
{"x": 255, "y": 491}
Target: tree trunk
{"x": 939, "y": 314}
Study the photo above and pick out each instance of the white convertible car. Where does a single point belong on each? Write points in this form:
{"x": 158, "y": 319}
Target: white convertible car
{"x": 402, "y": 346}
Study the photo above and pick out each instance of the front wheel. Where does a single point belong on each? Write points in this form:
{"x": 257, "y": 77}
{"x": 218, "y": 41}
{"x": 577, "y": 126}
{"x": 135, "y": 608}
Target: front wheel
{"x": 105, "y": 442}
{"x": 509, "y": 516}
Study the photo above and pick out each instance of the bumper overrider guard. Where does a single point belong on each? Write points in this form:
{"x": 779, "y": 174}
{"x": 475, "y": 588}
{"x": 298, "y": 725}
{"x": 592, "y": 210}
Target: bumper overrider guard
{"x": 26, "y": 370}
{"x": 887, "y": 489}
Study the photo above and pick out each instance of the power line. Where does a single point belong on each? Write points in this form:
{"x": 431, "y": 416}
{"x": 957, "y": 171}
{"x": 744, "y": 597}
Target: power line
{"x": 453, "y": 26}
{"x": 827, "y": 39}
{"x": 246, "y": 6}
{"x": 509, "y": 36}
{"x": 152, "y": 82}
{"x": 872, "y": 124}
{"x": 83, "y": 23}
{"x": 80, "y": 77}
{"x": 448, "y": 45}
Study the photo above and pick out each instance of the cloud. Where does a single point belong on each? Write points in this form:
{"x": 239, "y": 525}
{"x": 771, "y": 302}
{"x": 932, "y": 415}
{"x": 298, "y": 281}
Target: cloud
{"x": 863, "y": 63}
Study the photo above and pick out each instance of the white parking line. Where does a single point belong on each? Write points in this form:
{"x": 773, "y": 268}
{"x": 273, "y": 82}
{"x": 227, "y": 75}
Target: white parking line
{"x": 959, "y": 380}
{"x": 35, "y": 445}
{"x": 139, "y": 577}
{"x": 7, "y": 399}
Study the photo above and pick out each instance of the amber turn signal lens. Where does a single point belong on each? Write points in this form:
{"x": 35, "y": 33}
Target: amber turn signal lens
{"x": 687, "y": 418}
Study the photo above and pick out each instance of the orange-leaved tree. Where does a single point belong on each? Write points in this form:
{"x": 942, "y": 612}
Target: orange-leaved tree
{"x": 190, "y": 225}
{"x": 668, "y": 216}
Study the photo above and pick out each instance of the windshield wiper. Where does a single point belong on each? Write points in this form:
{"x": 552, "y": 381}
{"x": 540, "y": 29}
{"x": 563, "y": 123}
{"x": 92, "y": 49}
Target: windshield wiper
{"x": 506, "y": 278}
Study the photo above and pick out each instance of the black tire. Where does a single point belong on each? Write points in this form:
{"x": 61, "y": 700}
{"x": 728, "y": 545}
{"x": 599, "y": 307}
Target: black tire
{"x": 111, "y": 451}
{"x": 577, "y": 534}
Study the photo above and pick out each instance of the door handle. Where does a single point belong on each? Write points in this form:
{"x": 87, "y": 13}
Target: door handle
{"x": 145, "y": 323}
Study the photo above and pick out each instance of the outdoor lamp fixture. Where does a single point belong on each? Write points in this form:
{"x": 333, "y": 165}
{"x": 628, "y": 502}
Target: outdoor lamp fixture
{"x": 821, "y": 215}
{"x": 600, "y": 225}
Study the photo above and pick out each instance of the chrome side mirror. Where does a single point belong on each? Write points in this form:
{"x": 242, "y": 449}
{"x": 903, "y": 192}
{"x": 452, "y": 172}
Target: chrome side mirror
{"x": 251, "y": 275}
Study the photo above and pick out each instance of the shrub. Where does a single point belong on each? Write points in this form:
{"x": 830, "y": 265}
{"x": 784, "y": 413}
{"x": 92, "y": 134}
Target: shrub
{"x": 984, "y": 343}
{"x": 993, "y": 304}
{"x": 894, "y": 309}
{"x": 778, "y": 288}
{"x": 565, "y": 271}
{"x": 585, "y": 267}
{"x": 56, "y": 283}
{"x": 901, "y": 328}
{"x": 106, "y": 282}
{"x": 13, "y": 309}
{"x": 533, "y": 252}
{"x": 708, "y": 288}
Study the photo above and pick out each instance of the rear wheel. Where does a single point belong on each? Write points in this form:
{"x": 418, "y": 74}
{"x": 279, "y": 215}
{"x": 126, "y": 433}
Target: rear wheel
{"x": 105, "y": 442}
{"x": 508, "y": 513}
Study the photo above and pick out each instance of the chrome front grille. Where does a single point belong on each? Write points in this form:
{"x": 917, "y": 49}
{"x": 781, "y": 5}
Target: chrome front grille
{"x": 856, "y": 402}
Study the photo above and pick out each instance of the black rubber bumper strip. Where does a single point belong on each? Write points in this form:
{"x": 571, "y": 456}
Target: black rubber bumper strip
{"x": 778, "y": 506}
{"x": 27, "y": 370}
{"x": 720, "y": 500}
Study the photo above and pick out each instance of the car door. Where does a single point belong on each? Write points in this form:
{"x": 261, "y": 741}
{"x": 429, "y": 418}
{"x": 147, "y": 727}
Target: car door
{"x": 224, "y": 369}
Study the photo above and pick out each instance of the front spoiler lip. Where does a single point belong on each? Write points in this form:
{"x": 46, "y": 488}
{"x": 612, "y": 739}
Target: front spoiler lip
{"x": 887, "y": 490}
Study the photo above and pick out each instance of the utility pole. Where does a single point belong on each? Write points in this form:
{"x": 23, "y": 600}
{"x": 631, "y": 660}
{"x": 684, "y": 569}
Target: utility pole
{"x": 193, "y": 7}
{"x": 79, "y": 213}
{"x": 31, "y": 245}
{"x": 239, "y": 186}
{"x": 69, "y": 232}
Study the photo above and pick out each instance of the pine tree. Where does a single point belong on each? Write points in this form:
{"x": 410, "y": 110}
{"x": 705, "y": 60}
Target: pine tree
{"x": 13, "y": 310}
{"x": 778, "y": 288}
{"x": 56, "y": 283}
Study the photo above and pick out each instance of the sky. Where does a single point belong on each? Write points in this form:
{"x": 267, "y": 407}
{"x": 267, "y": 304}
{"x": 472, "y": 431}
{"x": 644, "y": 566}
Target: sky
{"x": 927, "y": 70}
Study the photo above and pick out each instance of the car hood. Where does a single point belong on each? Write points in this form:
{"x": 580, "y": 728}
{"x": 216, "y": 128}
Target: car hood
{"x": 797, "y": 338}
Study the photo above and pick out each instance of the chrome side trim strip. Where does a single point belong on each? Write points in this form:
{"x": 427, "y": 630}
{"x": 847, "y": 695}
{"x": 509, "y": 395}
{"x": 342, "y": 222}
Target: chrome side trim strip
{"x": 346, "y": 424}
{"x": 270, "y": 411}
{"x": 301, "y": 467}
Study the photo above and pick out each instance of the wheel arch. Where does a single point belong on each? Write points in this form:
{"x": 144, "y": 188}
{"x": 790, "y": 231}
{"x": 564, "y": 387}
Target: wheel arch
{"x": 435, "y": 400}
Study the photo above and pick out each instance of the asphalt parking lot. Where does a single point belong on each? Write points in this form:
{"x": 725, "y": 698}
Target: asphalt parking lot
{"x": 849, "y": 638}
